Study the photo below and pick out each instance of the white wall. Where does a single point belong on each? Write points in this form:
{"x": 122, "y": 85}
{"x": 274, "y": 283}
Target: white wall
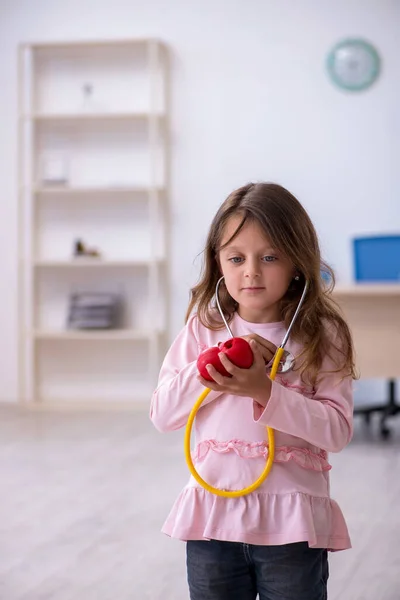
{"x": 250, "y": 100}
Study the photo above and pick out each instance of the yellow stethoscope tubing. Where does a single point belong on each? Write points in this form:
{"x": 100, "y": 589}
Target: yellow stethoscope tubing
{"x": 270, "y": 432}
{"x": 271, "y": 444}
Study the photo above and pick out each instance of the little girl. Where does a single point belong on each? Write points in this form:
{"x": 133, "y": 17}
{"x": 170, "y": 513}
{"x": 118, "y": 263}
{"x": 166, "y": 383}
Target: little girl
{"x": 273, "y": 542}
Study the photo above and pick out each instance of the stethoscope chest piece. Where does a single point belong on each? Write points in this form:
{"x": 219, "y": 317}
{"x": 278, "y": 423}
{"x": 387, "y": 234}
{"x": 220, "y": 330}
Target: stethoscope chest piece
{"x": 286, "y": 363}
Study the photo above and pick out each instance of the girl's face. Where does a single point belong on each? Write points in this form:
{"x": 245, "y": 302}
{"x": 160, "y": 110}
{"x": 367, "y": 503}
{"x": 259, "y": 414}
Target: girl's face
{"x": 256, "y": 275}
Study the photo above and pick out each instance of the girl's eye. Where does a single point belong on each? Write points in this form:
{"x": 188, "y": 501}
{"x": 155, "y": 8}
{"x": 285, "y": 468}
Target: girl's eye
{"x": 269, "y": 258}
{"x": 235, "y": 260}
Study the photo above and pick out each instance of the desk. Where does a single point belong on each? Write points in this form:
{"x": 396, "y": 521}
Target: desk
{"x": 373, "y": 314}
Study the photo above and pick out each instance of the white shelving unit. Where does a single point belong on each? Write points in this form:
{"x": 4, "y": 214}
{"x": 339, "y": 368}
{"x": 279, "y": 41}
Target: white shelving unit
{"x": 93, "y": 165}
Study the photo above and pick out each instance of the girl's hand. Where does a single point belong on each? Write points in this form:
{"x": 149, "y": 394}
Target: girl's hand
{"x": 253, "y": 382}
{"x": 268, "y": 349}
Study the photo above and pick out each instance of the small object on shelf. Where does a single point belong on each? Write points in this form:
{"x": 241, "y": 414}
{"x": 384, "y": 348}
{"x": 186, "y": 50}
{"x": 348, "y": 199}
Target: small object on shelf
{"x": 80, "y": 250}
{"x": 87, "y": 89}
{"x": 89, "y": 104}
{"x": 54, "y": 169}
{"x": 94, "y": 311}
{"x": 87, "y": 92}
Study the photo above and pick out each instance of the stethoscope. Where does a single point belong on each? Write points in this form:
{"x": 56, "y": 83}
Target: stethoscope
{"x": 282, "y": 362}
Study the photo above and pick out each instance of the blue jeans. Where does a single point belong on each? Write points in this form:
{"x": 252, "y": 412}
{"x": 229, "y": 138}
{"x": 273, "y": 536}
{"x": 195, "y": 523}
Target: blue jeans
{"x": 234, "y": 571}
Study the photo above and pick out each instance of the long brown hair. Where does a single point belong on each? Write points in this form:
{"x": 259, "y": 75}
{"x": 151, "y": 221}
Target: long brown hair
{"x": 289, "y": 228}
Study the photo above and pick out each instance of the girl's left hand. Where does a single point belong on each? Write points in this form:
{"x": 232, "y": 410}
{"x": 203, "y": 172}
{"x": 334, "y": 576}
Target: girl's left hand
{"x": 253, "y": 382}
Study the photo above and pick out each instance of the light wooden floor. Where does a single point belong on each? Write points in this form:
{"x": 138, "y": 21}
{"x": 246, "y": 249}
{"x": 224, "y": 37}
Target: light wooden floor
{"x": 83, "y": 497}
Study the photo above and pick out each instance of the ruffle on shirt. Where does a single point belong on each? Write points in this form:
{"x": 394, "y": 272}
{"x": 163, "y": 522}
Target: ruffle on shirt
{"x": 301, "y": 456}
{"x": 259, "y": 518}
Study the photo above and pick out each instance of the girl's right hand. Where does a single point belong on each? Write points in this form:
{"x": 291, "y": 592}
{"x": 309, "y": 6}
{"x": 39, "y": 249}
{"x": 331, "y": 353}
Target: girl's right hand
{"x": 267, "y": 348}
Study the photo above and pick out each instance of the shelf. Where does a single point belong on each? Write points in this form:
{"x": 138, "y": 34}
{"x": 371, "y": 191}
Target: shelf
{"x": 98, "y": 335}
{"x": 64, "y": 191}
{"x": 70, "y": 117}
{"x": 96, "y": 263}
{"x": 92, "y": 114}
{"x": 86, "y": 44}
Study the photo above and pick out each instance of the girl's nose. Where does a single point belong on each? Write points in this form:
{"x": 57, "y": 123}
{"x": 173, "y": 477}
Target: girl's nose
{"x": 252, "y": 268}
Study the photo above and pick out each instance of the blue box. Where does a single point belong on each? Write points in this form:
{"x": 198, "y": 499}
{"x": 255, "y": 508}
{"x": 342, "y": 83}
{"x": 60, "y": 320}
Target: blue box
{"x": 377, "y": 258}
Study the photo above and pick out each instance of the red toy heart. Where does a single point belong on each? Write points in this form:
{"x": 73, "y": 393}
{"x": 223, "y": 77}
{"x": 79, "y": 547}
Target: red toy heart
{"x": 237, "y": 350}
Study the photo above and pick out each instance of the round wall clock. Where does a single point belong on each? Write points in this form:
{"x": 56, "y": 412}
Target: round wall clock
{"x": 353, "y": 64}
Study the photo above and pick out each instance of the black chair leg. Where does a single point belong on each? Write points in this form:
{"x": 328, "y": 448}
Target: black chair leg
{"x": 386, "y": 411}
{"x": 391, "y": 409}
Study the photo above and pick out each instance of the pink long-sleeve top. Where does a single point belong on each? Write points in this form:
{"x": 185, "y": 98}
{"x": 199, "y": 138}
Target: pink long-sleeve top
{"x": 294, "y": 502}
